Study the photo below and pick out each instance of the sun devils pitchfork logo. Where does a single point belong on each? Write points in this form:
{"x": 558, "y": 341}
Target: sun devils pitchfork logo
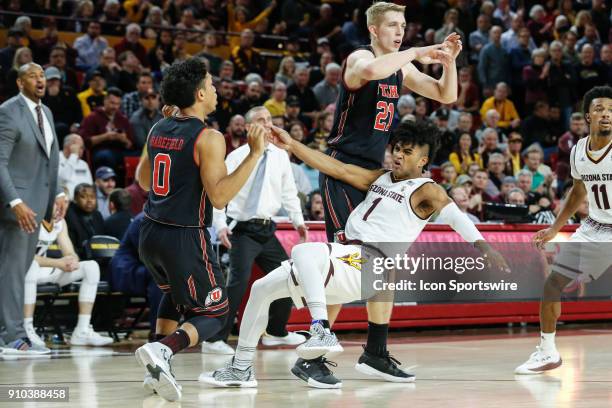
{"x": 213, "y": 296}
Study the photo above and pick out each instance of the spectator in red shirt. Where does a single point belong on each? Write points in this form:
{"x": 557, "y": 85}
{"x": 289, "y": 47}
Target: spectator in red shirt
{"x": 236, "y": 134}
{"x": 139, "y": 197}
{"x": 131, "y": 42}
{"x": 107, "y": 132}
{"x": 468, "y": 99}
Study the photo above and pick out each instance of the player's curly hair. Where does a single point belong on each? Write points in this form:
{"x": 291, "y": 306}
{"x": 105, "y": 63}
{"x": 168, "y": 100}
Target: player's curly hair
{"x": 419, "y": 133}
{"x": 594, "y": 93}
{"x": 181, "y": 82}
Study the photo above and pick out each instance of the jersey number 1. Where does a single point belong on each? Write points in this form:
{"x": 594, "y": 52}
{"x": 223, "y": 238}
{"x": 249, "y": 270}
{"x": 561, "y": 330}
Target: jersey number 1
{"x": 384, "y": 117}
{"x": 161, "y": 174}
{"x": 601, "y": 188}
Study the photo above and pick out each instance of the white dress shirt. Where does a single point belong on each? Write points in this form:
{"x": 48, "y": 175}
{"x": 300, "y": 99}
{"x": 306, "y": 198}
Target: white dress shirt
{"x": 46, "y": 124}
{"x": 279, "y": 189}
{"x": 72, "y": 172}
{"x": 48, "y": 132}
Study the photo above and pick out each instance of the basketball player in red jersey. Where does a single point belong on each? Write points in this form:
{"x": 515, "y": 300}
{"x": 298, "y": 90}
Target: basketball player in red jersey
{"x": 372, "y": 80}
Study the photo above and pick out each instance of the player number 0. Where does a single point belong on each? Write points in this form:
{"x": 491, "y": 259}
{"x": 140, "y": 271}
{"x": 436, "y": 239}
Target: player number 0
{"x": 161, "y": 174}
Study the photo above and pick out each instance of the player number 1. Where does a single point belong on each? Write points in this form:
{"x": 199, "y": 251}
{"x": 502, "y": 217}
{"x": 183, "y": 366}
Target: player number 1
{"x": 374, "y": 204}
{"x": 601, "y": 188}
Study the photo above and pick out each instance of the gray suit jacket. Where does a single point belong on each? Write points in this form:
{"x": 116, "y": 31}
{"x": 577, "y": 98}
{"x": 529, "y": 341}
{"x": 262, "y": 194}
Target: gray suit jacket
{"x": 26, "y": 170}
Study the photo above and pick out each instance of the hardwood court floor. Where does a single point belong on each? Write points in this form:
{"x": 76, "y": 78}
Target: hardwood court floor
{"x": 453, "y": 368}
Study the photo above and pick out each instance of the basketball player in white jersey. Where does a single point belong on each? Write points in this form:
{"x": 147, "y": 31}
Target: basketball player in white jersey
{"x": 584, "y": 258}
{"x": 396, "y": 209}
{"x": 63, "y": 271}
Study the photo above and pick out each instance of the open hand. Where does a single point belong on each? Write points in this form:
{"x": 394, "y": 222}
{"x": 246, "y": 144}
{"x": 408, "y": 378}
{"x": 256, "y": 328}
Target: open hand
{"x": 543, "y": 236}
{"x": 281, "y": 138}
{"x": 452, "y": 44}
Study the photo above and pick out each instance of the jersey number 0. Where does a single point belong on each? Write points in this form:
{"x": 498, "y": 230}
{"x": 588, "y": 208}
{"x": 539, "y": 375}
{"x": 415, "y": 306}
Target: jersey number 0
{"x": 161, "y": 174}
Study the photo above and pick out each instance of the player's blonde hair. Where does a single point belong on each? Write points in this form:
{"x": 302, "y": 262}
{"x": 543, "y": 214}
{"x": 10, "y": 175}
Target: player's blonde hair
{"x": 376, "y": 11}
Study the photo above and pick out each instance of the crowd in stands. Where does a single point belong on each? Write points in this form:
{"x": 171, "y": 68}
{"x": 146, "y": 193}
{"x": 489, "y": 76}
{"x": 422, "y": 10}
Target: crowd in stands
{"x": 524, "y": 68}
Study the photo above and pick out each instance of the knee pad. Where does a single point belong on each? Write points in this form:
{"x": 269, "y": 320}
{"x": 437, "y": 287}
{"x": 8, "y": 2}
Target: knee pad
{"x": 91, "y": 271}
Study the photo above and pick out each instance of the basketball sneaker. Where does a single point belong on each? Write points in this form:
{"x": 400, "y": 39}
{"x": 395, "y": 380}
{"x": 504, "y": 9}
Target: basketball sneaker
{"x": 155, "y": 358}
{"x": 385, "y": 367}
{"x": 316, "y": 373}
{"x": 540, "y": 360}
{"x": 34, "y": 337}
{"x": 147, "y": 383}
{"x": 291, "y": 339}
{"x": 322, "y": 342}
{"x": 230, "y": 376}
{"x": 88, "y": 337}
{"x": 24, "y": 346}
{"x": 217, "y": 347}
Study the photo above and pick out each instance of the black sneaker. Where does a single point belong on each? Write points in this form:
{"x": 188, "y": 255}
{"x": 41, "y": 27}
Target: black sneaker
{"x": 316, "y": 373}
{"x": 385, "y": 367}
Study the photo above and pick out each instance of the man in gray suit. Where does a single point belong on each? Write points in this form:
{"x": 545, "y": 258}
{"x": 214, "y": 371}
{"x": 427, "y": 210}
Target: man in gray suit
{"x": 29, "y": 155}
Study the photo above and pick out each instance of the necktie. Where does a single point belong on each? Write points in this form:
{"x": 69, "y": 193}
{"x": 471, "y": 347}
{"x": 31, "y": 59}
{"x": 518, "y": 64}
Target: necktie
{"x": 253, "y": 198}
{"x": 41, "y": 125}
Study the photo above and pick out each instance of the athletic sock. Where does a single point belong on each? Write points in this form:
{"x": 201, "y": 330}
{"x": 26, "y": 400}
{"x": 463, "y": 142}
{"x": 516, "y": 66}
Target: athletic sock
{"x": 83, "y": 322}
{"x": 243, "y": 358}
{"x": 547, "y": 341}
{"x": 322, "y": 322}
{"x": 176, "y": 341}
{"x": 377, "y": 338}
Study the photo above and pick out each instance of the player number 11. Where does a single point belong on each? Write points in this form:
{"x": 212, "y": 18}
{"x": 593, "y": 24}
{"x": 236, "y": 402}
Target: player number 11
{"x": 601, "y": 188}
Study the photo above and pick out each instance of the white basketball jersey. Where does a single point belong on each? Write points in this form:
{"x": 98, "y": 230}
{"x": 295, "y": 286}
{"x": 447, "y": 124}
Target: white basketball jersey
{"x": 46, "y": 238}
{"x": 594, "y": 168}
{"x": 386, "y": 215}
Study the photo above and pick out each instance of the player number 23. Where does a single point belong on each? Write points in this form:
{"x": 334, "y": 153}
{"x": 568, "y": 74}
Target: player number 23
{"x": 384, "y": 115}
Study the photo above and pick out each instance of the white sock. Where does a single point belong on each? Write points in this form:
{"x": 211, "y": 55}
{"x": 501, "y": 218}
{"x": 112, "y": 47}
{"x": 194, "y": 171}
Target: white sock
{"x": 547, "y": 341}
{"x": 83, "y": 322}
{"x": 28, "y": 322}
{"x": 243, "y": 358}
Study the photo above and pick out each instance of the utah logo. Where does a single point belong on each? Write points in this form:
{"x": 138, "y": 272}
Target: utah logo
{"x": 213, "y": 296}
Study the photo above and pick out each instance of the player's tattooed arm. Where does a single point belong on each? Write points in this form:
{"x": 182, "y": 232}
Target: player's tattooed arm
{"x": 220, "y": 186}
{"x": 356, "y": 176}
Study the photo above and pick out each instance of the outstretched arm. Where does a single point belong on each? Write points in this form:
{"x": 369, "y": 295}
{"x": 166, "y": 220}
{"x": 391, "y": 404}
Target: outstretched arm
{"x": 574, "y": 200}
{"x": 444, "y": 89}
{"x": 356, "y": 176}
{"x": 363, "y": 66}
{"x": 220, "y": 186}
{"x": 430, "y": 198}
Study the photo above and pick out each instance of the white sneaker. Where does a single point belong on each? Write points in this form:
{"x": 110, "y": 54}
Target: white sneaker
{"x": 217, "y": 347}
{"x": 321, "y": 343}
{"x": 541, "y": 360}
{"x": 230, "y": 376}
{"x": 89, "y": 337}
{"x": 291, "y": 339}
{"x": 147, "y": 383}
{"x": 34, "y": 338}
{"x": 155, "y": 358}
